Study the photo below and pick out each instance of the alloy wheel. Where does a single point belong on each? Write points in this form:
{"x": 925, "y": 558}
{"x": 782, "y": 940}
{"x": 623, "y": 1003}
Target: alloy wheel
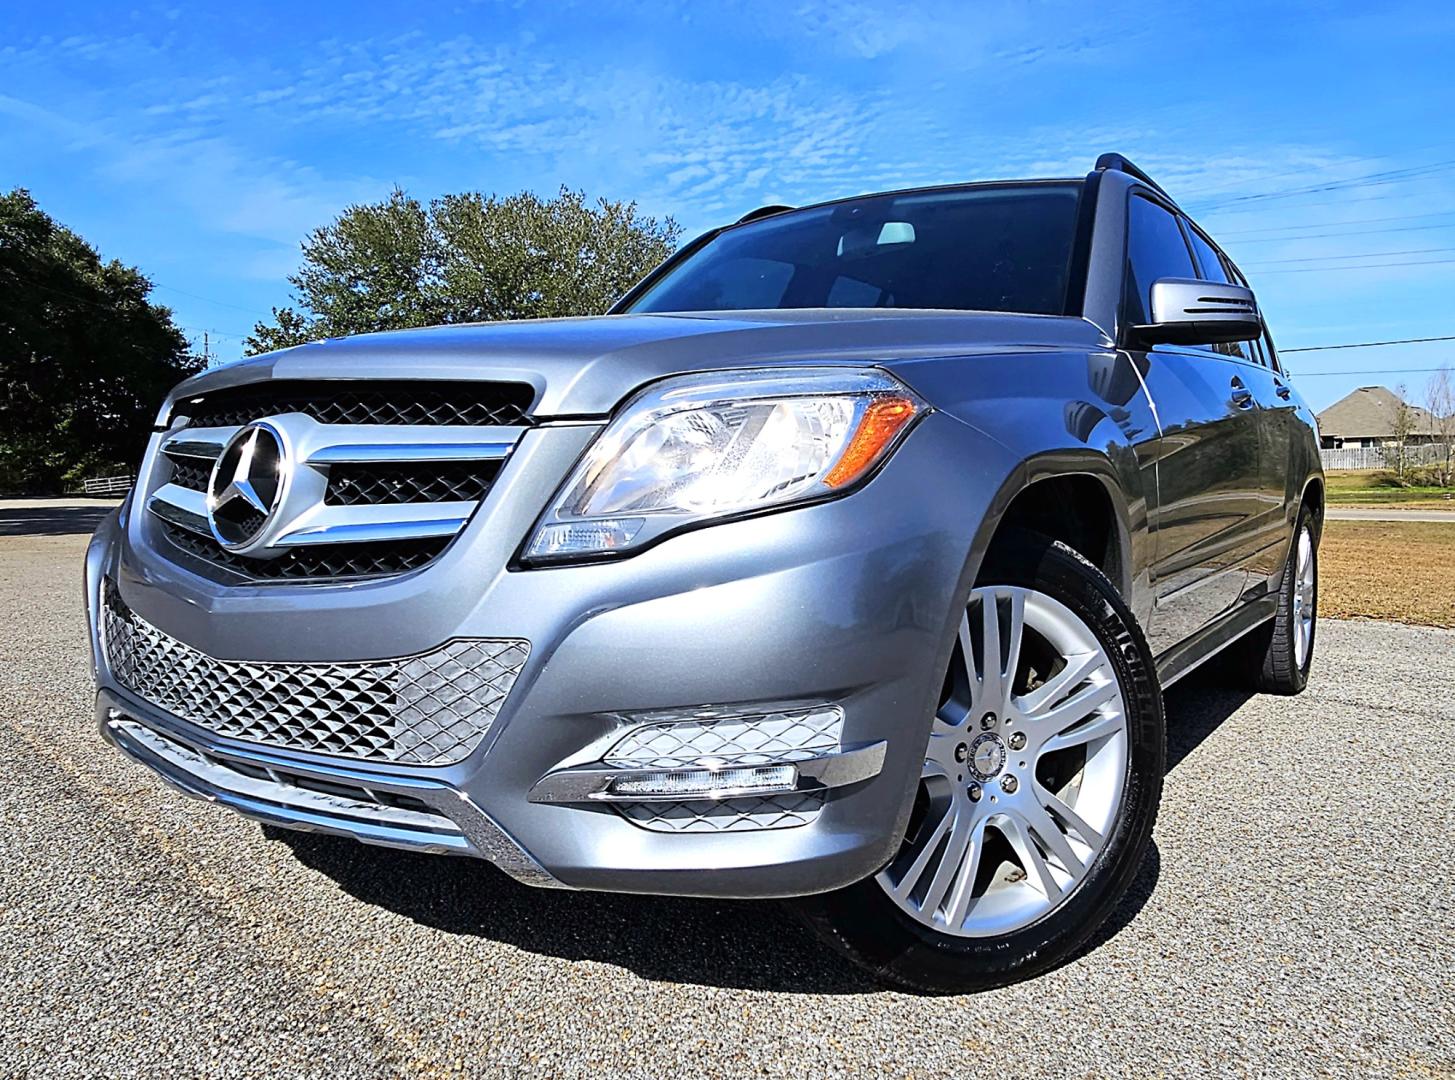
{"x": 1024, "y": 772}
{"x": 1304, "y": 599}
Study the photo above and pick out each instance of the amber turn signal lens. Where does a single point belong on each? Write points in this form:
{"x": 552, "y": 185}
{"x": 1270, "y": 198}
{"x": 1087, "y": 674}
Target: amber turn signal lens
{"x": 883, "y": 420}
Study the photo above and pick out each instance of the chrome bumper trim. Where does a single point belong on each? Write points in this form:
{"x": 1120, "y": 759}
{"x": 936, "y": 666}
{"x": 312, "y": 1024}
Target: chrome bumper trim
{"x": 198, "y": 766}
{"x": 592, "y": 783}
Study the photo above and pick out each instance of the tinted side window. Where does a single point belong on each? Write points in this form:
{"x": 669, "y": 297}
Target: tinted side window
{"x": 1155, "y": 249}
{"x": 1214, "y": 270}
{"x": 1208, "y": 259}
{"x": 1268, "y": 348}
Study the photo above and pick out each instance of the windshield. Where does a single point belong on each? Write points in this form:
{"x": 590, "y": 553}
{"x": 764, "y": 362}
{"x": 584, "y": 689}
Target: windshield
{"x": 988, "y": 248}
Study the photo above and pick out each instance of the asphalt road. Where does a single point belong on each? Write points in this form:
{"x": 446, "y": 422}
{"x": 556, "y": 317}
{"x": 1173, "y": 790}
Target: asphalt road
{"x": 1295, "y": 918}
{"x": 1358, "y": 513}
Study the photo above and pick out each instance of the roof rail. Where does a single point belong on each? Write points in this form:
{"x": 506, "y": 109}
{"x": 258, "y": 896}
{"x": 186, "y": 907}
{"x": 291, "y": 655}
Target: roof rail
{"x": 761, "y": 212}
{"x": 1119, "y": 163}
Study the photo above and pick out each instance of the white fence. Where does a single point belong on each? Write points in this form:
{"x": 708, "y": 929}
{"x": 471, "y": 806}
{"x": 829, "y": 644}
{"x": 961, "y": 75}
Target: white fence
{"x": 107, "y": 485}
{"x": 1378, "y": 457}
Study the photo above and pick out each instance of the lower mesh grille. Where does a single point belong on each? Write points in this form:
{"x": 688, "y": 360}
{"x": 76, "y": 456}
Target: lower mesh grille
{"x": 429, "y": 709}
{"x": 786, "y": 736}
{"x": 727, "y": 815}
{"x": 328, "y": 561}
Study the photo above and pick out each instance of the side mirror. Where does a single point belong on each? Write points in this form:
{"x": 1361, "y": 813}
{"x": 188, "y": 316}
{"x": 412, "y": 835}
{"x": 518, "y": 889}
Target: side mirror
{"x": 1188, "y": 312}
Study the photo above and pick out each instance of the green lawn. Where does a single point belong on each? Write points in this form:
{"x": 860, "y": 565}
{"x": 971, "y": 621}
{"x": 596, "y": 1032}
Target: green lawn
{"x": 1375, "y": 487}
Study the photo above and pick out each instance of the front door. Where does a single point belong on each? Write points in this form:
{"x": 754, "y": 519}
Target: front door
{"x": 1207, "y": 456}
{"x": 1208, "y": 487}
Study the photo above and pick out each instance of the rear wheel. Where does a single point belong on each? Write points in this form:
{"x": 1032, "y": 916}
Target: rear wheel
{"x": 1040, "y": 786}
{"x": 1280, "y": 654}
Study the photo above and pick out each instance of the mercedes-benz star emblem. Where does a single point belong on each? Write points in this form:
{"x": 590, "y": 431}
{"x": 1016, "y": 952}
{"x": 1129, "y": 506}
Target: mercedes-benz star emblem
{"x": 246, "y": 485}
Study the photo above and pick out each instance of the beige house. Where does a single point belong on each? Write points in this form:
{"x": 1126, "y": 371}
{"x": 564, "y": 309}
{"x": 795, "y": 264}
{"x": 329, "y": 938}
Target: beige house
{"x": 1366, "y": 418}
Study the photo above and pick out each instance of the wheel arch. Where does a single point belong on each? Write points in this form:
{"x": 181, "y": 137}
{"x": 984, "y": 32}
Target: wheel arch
{"x": 1312, "y": 498}
{"x": 1074, "y": 497}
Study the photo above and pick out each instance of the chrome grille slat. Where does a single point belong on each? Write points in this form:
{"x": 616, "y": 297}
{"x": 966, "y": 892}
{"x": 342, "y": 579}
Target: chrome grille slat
{"x": 379, "y": 521}
{"x": 432, "y": 708}
{"x": 369, "y": 484}
{"x": 181, "y": 506}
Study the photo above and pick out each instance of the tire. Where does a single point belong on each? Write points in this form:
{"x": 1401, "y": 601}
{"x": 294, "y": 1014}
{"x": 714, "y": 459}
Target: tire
{"x": 1280, "y": 653}
{"x": 1020, "y": 901}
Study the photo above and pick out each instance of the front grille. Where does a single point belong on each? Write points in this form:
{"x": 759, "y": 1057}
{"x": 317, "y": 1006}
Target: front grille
{"x": 784, "y": 736}
{"x": 321, "y": 561}
{"x": 357, "y": 485}
{"x": 430, "y": 709}
{"x": 402, "y": 402}
{"x": 190, "y": 473}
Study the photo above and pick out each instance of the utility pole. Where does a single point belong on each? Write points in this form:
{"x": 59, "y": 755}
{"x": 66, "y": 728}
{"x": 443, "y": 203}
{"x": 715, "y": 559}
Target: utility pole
{"x": 206, "y": 351}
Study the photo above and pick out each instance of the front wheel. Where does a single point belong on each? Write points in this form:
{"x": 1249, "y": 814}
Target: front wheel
{"x": 1040, "y": 786}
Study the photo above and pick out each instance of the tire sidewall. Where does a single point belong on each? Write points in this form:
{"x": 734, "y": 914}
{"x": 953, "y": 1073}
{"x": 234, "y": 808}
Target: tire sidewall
{"x": 892, "y": 943}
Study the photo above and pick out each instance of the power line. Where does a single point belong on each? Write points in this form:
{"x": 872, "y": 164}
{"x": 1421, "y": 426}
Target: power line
{"x": 1358, "y": 266}
{"x": 113, "y": 306}
{"x": 1330, "y": 224}
{"x": 1378, "y": 196}
{"x": 208, "y": 299}
{"x": 1368, "y": 344}
{"x": 1355, "y": 232}
{"x": 1378, "y": 179}
{"x": 1368, "y": 371}
{"x": 1361, "y": 255}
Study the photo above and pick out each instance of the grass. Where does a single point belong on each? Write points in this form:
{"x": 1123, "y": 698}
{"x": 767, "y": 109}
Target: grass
{"x": 1401, "y": 570}
{"x": 1376, "y": 487}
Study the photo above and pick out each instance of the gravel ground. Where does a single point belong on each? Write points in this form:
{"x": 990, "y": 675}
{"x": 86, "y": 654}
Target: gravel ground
{"x": 1295, "y": 917}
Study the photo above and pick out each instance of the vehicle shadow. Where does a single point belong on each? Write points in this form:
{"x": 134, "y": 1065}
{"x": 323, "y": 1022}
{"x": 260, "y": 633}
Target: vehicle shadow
{"x": 743, "y": 945}
{"x": 1197, "y": 706}
{"x": 60, "y": 520}
{"x": 736, "y": 944}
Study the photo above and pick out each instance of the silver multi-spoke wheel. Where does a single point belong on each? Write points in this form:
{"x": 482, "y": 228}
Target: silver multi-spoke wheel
{"x": 1024, "y": 773}
{"x": 1304, "y": 584}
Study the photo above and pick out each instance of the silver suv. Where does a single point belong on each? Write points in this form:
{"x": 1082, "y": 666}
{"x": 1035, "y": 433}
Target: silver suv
{"x": 846, "y": 560}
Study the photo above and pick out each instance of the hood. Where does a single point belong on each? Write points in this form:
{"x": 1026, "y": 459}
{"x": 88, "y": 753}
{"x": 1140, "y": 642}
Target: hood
{"x": 583, "y": 367}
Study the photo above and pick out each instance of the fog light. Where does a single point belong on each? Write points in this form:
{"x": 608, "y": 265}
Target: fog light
{"x": 708, "y": 783}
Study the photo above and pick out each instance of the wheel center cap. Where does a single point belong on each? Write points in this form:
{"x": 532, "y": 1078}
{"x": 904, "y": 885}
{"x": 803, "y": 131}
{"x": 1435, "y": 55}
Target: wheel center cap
{"x": 987, "y": 756}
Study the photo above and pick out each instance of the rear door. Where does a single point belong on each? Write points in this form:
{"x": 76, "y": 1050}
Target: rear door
{"x": 1207, "y": 458}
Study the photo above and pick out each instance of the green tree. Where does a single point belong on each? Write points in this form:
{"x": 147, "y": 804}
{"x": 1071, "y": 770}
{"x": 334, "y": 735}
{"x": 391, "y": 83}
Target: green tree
{"x": 465, "y": 258}
{"x": 85, "y": 357}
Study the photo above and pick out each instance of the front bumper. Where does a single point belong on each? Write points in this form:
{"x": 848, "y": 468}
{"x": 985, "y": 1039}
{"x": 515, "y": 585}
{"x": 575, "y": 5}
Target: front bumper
{"x": 847, "y": 605}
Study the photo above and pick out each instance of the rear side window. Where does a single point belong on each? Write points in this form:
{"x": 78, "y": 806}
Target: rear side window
{"x": 1155, "y": 250}
{"x": 1208, "y": 259}
{"x": 1211, "y": 264}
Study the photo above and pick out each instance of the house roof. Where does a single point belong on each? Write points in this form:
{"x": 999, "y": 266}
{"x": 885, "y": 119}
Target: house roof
{"x": 1369, "y": 413}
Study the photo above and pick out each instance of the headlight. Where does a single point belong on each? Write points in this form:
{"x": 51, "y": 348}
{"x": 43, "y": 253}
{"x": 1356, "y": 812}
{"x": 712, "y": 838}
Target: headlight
{"x": 703, "y": 447}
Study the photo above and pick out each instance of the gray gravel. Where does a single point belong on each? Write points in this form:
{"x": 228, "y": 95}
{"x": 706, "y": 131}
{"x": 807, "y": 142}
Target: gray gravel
{"x": 1295, "y": 919}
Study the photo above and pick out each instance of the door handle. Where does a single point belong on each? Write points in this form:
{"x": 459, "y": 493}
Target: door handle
{"x": 1282, "y": 390}
{"x": 1241, "y": 396}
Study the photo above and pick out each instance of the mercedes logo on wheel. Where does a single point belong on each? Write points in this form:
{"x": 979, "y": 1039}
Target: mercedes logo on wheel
{"x": 246, "y": 485}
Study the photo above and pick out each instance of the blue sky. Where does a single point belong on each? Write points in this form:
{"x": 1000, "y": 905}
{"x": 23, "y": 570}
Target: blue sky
{"x": 203, "y": 143}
